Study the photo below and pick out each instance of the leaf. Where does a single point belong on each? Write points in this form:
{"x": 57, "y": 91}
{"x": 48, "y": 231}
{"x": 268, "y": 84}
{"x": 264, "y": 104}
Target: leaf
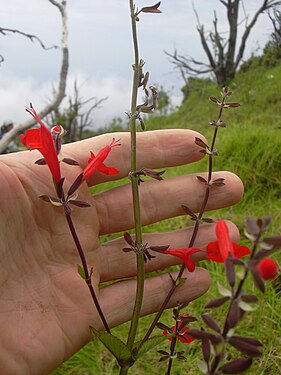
{"x": 202, "y": 179}
{"x": 211, "y": 322}
{"x": 59, "y": 187}
{"x": 223, "y": 291}
{"x": 152, "y": 8}
{"x": 245, "y": 347}
{"x": 234, "y": 314}
{"x": 128, "y": 238}
{"x": 116, "y": 347}
{"x": 252, "y": 227}
{"x": 206, "y": 350}
{"x": 258, "y": 280}
{"x": 246, "y": 307}
{"x": 237, "y": 366}
{"x": 149, "y": 344}
{"x": 70, "y": 161}
{"x": 188, "y": 211}
{"x": 202, "y": 366}
{"x": 78, "y": 181}
{"x": 230, "y": 272}
{"x": 200, "y": 143}
{"x": 231, "y": 105}
{"x": 164, "y": 327}
{"x": 217, "y": 302}
{"x": 215, "y": 100}
{"x": 81, "y": 271}
{"x": 200, "y": 335}
{"x": 249, "y": 298}
{"x": 81, "y": 204}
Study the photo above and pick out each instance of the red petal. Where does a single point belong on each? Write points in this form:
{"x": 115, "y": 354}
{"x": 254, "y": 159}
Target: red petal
{"x": 213, "y": 252}
{"x": 22, "y": 139}
{"x": 240, "y": 251}
{"x": 107, "y": 170}
{"x": 225, "y": 244}
{"x": 267, "y": 268}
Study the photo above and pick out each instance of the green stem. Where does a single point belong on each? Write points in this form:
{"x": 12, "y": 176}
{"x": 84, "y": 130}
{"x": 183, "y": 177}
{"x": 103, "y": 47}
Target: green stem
{"x": 135, "y": 188}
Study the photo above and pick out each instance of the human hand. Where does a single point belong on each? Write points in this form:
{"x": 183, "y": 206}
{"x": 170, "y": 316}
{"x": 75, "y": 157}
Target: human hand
{"x": 45, "y": 306}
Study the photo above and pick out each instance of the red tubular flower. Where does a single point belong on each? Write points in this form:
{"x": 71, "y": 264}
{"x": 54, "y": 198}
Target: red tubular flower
{"x": 95, "y": 163}
{"x": 41, "y": 139}
{"x": 185, "y": 255}
{"x": 267, "y": 268}
{"x": 218, "y": 250}
{"x": 182, "y": 337}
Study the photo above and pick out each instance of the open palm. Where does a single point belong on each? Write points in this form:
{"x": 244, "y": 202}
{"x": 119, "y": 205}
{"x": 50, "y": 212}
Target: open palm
{"x": 45, "y": 306}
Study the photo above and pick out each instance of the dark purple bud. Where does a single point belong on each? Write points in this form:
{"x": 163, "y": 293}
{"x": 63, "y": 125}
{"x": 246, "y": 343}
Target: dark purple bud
{"x": 215, "y": 100}
{"x": 218, "y": 182}
{"x": 70, "y": 161}
{"x": 202, "y": 179}
{"x": 217, "y": 302}
{"x": 249, "y": 298}
{"x": 81, "y": 204}
{"x": 59, "y": 187}
{"x": 159, "y": 249}
{"x": 234, "y": 314}
{"x": 237, "y": 366}
{"x": 211, "y": 323}
{"x": 245, "y": 347}
{"x": 41, "y": 162}
{"x": 78, "y": 181}
{"x": 128, "y": 238}
{"x": 230, "y": 272}
{"x": 231, "y": 105}
{"x": 152, "y": 8}
{"x": 258, "y": 280}
{"x": 206, "y": 350}
{"x": 188, "y": 211}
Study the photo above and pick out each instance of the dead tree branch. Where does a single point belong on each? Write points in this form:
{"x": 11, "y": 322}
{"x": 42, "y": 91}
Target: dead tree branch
{"x": 222, "y": 58}
{"x": 60, "y": 94}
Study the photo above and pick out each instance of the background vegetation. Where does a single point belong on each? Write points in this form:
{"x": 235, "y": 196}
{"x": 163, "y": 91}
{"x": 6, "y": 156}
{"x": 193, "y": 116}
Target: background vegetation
{"x": 251, "y": 147}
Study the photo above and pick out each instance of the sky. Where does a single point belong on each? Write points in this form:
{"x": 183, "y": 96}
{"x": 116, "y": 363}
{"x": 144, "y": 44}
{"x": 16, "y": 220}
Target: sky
{"x": 101, "y": 51}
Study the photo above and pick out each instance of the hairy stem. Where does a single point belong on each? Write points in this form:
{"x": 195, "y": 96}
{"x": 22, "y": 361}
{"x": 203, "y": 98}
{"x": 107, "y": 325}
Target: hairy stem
{"x": 86, "y": 270}
{"x": 135, "y": 187}
{"x": 193, "y": 237}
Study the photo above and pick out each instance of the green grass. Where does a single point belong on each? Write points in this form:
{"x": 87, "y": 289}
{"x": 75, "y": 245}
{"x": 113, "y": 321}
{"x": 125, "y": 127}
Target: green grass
{"x": 251, "y": 147}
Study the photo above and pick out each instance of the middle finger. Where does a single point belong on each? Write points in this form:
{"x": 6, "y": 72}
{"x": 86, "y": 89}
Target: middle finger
{"x": 160, "y": 200}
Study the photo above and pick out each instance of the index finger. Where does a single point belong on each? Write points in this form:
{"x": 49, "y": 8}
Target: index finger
{"x": 155, "y": 149}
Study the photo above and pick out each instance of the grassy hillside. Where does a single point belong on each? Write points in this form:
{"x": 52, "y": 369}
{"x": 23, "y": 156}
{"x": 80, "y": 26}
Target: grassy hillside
{"x": 251, "y": 147}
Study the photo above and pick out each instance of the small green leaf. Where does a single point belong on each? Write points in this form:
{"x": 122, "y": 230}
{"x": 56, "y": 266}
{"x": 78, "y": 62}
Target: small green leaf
{"x": 223, "y": 291}
{"x": 149, "y": 344}
{"x": 246, "y": 307}
{"x": 202, "y": 366}
{"x": 181, "y": 281}
{"x": 81, "y": 271}
{"x": 116, "y": 347}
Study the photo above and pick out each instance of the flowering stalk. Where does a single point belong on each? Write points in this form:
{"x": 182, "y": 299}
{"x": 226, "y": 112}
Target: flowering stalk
{"x": 211, "y": 152}
{"x": 135, "y": 185}
{"x": 87, "y": 275}
{"x": 49, "y": 144}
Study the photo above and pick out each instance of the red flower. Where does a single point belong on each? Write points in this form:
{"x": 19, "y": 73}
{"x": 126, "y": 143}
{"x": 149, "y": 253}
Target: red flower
{"x": 96, "y": 162}
{"x": 41, "y": 139}
{"x": 185, "y": 255}
{"x": 218, "y": 250}
{"x": 267, "y": 268}
{"x": 182, "y": 335}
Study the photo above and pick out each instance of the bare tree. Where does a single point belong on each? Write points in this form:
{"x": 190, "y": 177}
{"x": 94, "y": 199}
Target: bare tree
{"x": 223, "y": 54}
{"x": 74, "y": 119}
{"x": 60, "y": 93}
{"x": 276, "y": 22}
{"x": 31, "y": 37}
